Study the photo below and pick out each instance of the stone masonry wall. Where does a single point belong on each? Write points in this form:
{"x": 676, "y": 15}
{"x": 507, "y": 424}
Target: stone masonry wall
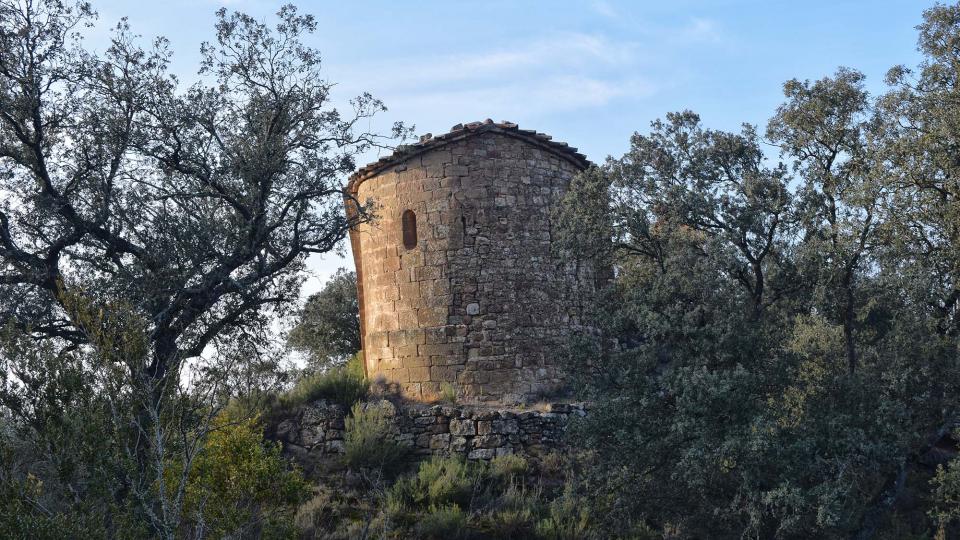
{"x": 480, "y": 304}
{"x": 315, "y": 433}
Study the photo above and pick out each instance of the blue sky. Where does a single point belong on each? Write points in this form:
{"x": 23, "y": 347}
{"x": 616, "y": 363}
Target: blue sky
{"x": 589, "y": 73}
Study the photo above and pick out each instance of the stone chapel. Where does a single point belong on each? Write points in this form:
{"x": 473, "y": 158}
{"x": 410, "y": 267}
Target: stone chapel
{"x": 459, "y": 287}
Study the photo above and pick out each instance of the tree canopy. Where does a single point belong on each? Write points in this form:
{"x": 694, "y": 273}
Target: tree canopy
{"x": 198, "y": 205}
{"x": 781, "y": 353}
{"x": 328, "y": 329}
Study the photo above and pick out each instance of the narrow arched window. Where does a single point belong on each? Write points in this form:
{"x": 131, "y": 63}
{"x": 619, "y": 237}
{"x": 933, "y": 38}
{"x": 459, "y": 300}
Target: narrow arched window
{"x": 409, "y": 224}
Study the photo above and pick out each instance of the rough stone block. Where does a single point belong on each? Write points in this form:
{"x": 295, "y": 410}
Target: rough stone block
{"x": 481, "y": 453}
{"x": 488, "y": 441}
{"x": 443, "y": 373}
{"x": 440, "y": 441}
{"x": 462, "y": 427}
{"x": 419, "y": 373}
{"x": 506, "y": 426}
{"x": 459, "y": 444}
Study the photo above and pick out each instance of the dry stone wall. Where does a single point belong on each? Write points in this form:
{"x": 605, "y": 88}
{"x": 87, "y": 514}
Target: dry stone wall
{"x": 481, "y": 304}
{"x": 315, "y": 433}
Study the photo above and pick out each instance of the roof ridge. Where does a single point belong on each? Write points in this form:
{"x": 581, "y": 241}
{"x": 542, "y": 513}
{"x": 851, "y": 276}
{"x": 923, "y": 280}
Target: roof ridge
{"x": 428, "y": 141}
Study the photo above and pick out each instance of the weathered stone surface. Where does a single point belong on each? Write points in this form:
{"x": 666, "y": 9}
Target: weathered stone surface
{"x": 506, "y": 426}
{"x": 481, "y": 302}
{"x": 459, "y": 444}
{"x": 288, "y": 430}
{"x": 311, "y": 435}
{"x": 488, "y": 441}
{"x": 440, "y": 442}
{"x": 482, "y": 453}
{"x": 462, "y": 427}
{"x": 450, "y": 430}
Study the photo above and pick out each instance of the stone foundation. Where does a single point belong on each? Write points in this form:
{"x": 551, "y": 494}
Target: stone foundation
{"x": 315, "y": 433}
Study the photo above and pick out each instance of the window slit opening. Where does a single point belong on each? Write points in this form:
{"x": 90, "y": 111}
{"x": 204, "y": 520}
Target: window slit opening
{"x": 409, "y": 224}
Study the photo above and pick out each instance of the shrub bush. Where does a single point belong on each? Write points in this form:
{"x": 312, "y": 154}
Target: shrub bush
{"x": 451, "y": 497}
{"x": 369, "y": 440}
{"x": 568, "y": 517}
{"x": 512, "y": 523}
{"x": 240, "y": 485}
{"x": 508, "y": 468}
{"x": 448, "y": 393}
{"x": 345, "y": 385}
{"x": 946, "y": 497}
{"x": 443, "y": 523}
{"x": 446, "y": 481}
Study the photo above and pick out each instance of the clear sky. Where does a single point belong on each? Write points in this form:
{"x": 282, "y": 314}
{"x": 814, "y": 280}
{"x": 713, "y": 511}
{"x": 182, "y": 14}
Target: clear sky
{"x": 589, "y": 73}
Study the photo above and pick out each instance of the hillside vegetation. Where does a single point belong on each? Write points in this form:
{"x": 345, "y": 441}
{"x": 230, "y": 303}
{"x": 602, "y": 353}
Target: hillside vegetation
{"x": 780, "y": 333}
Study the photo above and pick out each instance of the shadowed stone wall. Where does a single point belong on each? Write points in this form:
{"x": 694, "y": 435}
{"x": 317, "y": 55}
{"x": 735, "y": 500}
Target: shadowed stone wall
{"x": 479, "y": 304}
{"x": 315, "y": 433}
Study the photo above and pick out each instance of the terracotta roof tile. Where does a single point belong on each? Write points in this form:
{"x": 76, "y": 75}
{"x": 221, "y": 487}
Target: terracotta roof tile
{"x": 458, "y": 132}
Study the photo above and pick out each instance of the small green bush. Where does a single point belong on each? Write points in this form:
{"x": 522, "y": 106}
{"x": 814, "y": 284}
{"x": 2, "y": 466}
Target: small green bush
{"x": 356, "y": 366}
{"x": 448, "y": 393}
{"x": 401, "y": 496}
{"x": 369, "y": 441}
{"x": 240, "y": 485}
{"x": 513, "y": 509}
{"x": 568, "y": 517}
{"x": 946, "y": 497}
{"x": 509, "y": 468}
{"x": 447, "y": 480}
{"x": 443, "y": 523}
{"x": 439, "y": 482}
{"x": 345, "y": 385}
{"x": 512, "y": 523}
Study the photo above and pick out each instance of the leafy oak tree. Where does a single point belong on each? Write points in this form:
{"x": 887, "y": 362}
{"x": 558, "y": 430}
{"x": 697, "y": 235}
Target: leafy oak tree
{"x": 328, "y": 328}
{"x": 198, "y": 205}
{"x": 145, "y": 224}
{"x": 782, "y": 352}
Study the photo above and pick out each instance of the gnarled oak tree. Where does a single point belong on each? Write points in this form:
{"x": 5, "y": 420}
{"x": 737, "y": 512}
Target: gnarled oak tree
{"x": 196, "y": 205}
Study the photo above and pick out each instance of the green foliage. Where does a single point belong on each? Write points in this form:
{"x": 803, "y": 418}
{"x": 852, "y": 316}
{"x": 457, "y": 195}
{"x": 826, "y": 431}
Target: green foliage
{"x": 22, "y": 516}
{"x": 442, "y": 481}
{"x": 369, "y": 440}
{"x": 240, "y": 485}
{"x": 946, "y": 510}
{"x": 116, "y": 281}
{"x": 448, "y": 393}
{"x": 511, "y": 523}
{"x": 782, "y": 337}
{"x": 509, "y": 468}
{"x": 568, "y": 518}
{"x": 328, "y": 328}
{"x": 443, "y": 522}
{"x": 342, "y": 385}
{"x": 499, "y": 499}
{"x": 66, "y": 432}
{"x": 356, "y": 366}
